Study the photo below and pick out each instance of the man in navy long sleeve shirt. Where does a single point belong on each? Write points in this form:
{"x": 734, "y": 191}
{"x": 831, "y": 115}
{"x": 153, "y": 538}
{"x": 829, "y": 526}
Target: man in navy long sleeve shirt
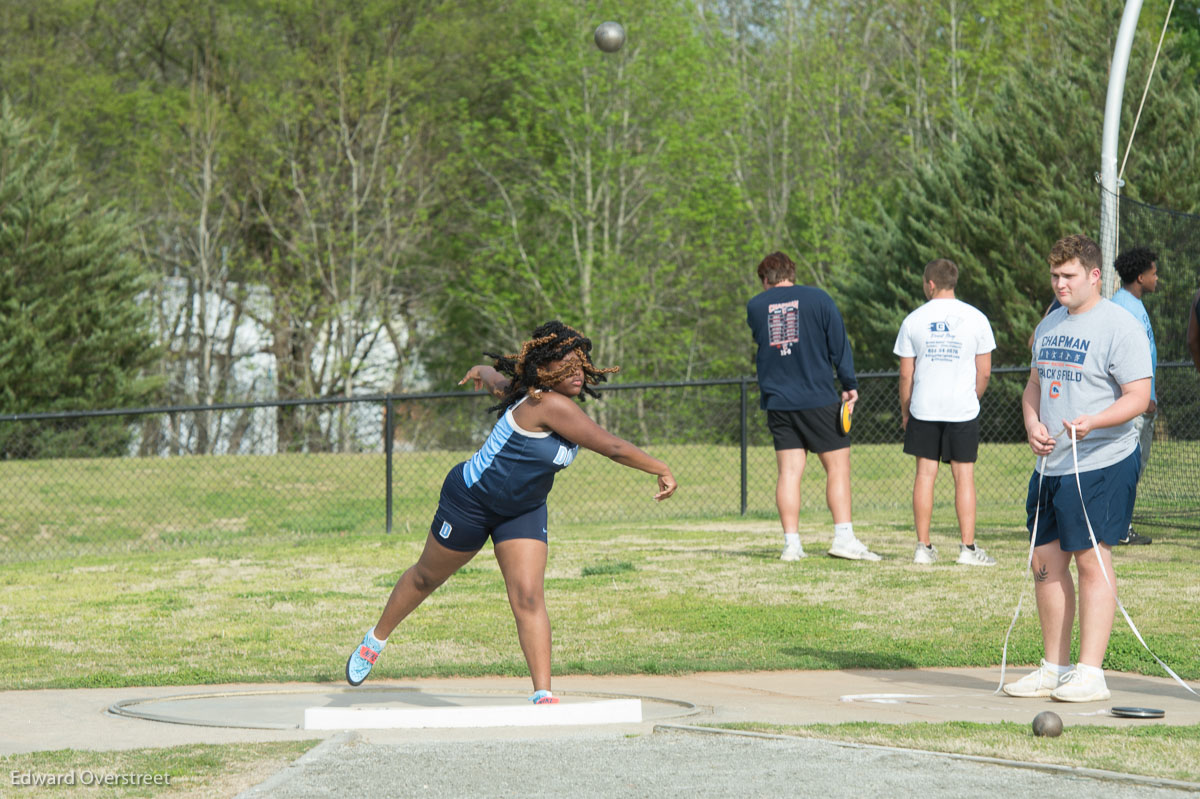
{"x": 801, "y": 341}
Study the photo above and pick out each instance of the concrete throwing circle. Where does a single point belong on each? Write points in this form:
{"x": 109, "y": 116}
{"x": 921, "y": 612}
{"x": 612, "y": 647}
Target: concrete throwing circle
{"x": 285, "y": 709}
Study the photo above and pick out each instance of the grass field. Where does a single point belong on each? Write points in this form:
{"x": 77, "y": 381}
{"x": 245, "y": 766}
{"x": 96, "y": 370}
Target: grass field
{"x": 624, "y": 598}
{"x": 246, "y": 575}
{"x": 66, "y": 508}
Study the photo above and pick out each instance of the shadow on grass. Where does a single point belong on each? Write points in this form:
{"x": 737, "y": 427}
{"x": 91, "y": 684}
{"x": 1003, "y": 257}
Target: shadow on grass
{"x": 755, "y": 553}
{"x": 809, "y": 658}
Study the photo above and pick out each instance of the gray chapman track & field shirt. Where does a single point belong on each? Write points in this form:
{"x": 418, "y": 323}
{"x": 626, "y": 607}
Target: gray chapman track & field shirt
{"x": 1082, "y": 361}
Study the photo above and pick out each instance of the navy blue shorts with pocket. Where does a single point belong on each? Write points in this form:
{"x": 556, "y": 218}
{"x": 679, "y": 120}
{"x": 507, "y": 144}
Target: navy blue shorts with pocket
{"x": 1109, "y": 493}
{"x": 464, "y": 523}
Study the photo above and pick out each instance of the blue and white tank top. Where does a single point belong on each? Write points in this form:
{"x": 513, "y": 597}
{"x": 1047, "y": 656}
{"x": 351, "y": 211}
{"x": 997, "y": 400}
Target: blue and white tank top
{"x": 514, "y": 470}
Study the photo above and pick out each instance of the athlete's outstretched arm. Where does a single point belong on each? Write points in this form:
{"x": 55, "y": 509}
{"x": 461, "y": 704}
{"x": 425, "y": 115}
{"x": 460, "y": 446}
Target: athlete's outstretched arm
{"x": 486, "y": 377}
{"x": 565, "y": 417}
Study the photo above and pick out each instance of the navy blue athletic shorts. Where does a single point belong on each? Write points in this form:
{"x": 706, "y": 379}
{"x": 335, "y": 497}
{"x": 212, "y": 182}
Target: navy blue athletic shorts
{"x": 463, "y": 523}
{"x": 1109, "y": 493}
{"x": 813, "y": 429}
{"x": 942, "y": 441}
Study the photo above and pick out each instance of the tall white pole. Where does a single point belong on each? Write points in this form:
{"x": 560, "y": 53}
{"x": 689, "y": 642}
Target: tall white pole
{"x": 1108, "y": 145}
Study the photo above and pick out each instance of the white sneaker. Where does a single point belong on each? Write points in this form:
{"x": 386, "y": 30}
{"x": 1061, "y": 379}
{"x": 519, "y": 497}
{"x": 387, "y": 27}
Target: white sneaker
{"x": 925, "y": 554}
{"x": 1079, "y": 687}
{"x": 1042, "y": 682}
{"x": 975, "y": 557}
{"x": 851, "y": 549}
{"x": 792, "y": 552}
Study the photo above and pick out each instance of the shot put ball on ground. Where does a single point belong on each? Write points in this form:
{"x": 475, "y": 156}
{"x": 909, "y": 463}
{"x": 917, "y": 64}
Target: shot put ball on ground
{"x": 1047, "y": 724}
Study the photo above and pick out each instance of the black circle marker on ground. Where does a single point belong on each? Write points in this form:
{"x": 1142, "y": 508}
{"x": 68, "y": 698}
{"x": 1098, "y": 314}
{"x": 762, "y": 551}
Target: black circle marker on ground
{"x": 1138, "y": 712}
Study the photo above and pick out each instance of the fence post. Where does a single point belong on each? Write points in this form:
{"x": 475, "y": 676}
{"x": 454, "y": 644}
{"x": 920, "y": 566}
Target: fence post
{"x": 389, "y": 437}
{"x": 745, "y": 443}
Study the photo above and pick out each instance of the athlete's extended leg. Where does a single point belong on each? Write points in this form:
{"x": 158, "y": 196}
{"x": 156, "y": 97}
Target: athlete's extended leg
{"x": 433, "y": 568}
{"x": 1055, "y": 592}
{"x": 523, "y": 563}
{"x": 927, "y": 470}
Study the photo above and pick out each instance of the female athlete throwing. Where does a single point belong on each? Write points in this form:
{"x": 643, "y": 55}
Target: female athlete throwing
{"x": 501, "y": 491}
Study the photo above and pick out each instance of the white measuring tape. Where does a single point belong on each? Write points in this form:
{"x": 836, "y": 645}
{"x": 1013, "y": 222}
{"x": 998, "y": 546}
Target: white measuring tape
{"x": 1095, "y": 548}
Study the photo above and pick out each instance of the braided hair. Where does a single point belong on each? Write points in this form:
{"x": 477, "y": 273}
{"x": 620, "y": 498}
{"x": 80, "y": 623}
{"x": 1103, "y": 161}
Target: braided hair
{"x": 528, "y": 371}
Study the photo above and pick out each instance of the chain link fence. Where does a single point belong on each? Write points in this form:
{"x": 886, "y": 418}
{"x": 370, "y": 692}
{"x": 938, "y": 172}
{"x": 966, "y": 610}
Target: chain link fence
{"x": 105, "y": 482}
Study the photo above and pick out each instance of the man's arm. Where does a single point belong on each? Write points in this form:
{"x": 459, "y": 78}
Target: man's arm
{"x": 1152, "y": 405}
{"x": 1135, "y": 397}
{"x": 907, "y": 367}
{"x": 983, "y": 373}
{"x": 840, "y": 354}
{"x": 1040, "y": 440}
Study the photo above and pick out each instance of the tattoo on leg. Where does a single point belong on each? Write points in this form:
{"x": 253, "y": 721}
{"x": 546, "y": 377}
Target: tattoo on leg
{"x": 1042, "y": 574}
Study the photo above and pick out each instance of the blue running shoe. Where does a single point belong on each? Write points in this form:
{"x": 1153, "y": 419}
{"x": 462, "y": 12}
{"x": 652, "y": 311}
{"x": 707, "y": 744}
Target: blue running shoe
{"x": 543, "y": 698}
{"x": 363, "y": 658}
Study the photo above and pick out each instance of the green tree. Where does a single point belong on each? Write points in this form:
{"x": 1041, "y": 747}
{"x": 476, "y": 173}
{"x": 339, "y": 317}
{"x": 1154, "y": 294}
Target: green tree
{"x": 993, "y": 203}
{"x": 599, "y": 194}
{"x": 281, "y": 159}
{"x": 73, "y": 333}
{"x": 1017, "y": 179}
{"x": 810, "y": 139}
{"x": 341, "y": 177}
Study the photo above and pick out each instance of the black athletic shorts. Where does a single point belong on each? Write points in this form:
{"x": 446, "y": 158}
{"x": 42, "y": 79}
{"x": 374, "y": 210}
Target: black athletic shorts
{"x": 942, "y": 441}
{"x": 813, "y": 429}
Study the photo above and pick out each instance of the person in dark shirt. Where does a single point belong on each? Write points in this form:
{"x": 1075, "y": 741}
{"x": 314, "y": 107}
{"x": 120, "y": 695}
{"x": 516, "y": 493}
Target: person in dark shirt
{"x": 801, "y": 341}
{"x": 500, "y": 493}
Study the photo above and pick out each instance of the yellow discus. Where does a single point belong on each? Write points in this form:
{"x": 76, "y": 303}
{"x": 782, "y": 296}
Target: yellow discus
{"x": 844, "y": 415}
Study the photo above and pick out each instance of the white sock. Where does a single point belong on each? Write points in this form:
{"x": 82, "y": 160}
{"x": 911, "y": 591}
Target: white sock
{"x": 1091, "y": 672}
{"x": 382, "y": 641}
{"x": 791, "y": 539}
{"x": 843, "y": 531}
{"x": 1057, "y": 669}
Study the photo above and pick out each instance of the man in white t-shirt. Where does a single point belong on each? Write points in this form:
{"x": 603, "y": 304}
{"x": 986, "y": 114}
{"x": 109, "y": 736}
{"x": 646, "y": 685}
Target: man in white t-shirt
{"x": 945, "y": 350}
